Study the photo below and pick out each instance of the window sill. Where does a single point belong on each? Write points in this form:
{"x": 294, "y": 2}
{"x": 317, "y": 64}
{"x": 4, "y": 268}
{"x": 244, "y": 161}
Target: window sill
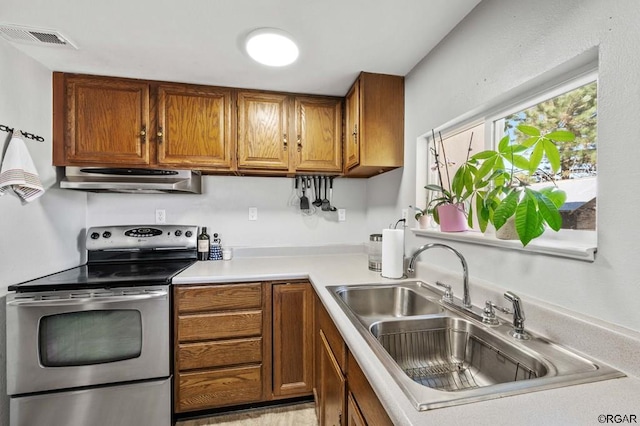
{"x": 580, "y": 245}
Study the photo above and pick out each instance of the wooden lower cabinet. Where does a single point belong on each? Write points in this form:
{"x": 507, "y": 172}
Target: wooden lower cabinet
{"x": 343, "y": 393}
{"x": 331, "y": 389}
{"x": 219, "y": 345}
{"x": 242, "y": 343}
{"x": 354, "y": 416}
{"x": 292, "y": 339}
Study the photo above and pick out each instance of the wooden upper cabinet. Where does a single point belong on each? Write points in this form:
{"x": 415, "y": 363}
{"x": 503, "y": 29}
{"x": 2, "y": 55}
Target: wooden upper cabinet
{"x": 104, "y": 121}
{"x": 374, "y": 125}
{"x": 318, "y": 134}
{"x": 352, "y": 116}
{"x": 263, "y": 131}
{"x": 194, "y": 127}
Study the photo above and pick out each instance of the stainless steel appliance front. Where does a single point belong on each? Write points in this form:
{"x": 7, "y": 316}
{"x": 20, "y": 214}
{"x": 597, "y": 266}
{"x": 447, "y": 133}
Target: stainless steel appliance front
{"x": 66, "y": 339}
{"x": 140, "y": 404}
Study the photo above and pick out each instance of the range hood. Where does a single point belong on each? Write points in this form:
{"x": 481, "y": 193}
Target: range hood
{"x": 128, "y": 180}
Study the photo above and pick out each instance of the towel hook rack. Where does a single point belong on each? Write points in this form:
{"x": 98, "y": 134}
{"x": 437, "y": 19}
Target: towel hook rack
{"x": 25, "y": 134}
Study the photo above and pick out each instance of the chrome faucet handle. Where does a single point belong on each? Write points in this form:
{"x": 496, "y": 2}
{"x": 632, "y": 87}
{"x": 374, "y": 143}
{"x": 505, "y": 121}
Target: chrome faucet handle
{"x": 448, "y": 293}
{"x": 489, "y": 315}
{"x": 518, "y": 317}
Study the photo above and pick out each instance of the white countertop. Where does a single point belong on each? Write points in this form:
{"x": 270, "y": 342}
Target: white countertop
{"x": 572, "y": 405}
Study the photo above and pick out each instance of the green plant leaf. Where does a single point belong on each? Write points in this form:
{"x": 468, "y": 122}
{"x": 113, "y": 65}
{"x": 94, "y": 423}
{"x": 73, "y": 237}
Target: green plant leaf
{"x": 529, "y": 130}
{"x": 432, "y": 187}
{"x": 520, "y": 162}
{"x": 561, "y": 136}
{"x": 529, "y": 142}
{"x": 503, "y": 145}
{"x": 505, "y": 209}
{"x": 547, "y": 210}
{"x": 536, "y": 158}
{"x": 486, "y": 167}
{"x": 482, "y": 214}
{"x": 528, "y": 222}
{"x": 557, "y": 196}
{"x": 483, "y": 155}
{"x": 552, "y": 154}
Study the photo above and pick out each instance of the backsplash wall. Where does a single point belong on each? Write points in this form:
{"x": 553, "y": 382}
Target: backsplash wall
{"x": 224, "y": 208}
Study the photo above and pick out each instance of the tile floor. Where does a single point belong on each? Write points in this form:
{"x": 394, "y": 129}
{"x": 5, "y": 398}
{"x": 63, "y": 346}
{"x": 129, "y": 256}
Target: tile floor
{"x": 291, "y": 415}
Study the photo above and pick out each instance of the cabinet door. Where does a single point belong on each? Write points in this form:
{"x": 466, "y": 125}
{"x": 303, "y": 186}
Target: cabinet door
{"x": 352, "y": 123}
{"x": 331, "y": 389}
{"x": 194, "y": 127}
{"x": 263, "y": 139}
{"x": 292, "y": 339}
{"x": 107, "y": 121}
{"x": 318, "y": 134}
{"x": 354, "y": 416}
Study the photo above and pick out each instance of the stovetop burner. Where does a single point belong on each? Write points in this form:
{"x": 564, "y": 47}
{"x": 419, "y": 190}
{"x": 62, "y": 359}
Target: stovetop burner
{"x": 106, "y": 276}
{"x": 123, "y": 256}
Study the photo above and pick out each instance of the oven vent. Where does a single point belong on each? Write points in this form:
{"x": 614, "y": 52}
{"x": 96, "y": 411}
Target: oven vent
{"x": 16, "y": 34}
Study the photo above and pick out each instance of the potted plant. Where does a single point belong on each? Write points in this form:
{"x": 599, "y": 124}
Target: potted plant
{"x": 500, "y": 180}
{"x": 422, "y": 216}
{"x": 447, "y": 206}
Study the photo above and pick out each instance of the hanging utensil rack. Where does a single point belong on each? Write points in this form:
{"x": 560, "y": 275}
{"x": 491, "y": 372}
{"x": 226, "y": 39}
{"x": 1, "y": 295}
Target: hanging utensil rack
{"x": 25, "y": 134}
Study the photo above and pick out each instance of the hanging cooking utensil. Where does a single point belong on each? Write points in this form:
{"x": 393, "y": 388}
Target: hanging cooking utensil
{"x": 325, "y": 202}
{"x": 331, "y": 208}
{"x": 317, "y": 185}
{"x": 304, "y": 201}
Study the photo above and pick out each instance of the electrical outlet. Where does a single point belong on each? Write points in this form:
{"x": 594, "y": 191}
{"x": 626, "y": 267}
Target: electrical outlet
{"x": 253, "y": 213}
{"x": 405, "y": 214}
{"x": 342, "y": 215}
{"x": 161, "y": 216}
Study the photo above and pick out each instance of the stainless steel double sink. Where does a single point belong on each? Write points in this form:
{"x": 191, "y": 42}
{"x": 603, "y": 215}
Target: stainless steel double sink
{"x": 442, "y": 355}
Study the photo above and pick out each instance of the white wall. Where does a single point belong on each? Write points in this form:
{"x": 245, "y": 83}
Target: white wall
{"x": 40, "y": 237}
{"x": 224, "y": 205}
{"x": 497, "y": 48}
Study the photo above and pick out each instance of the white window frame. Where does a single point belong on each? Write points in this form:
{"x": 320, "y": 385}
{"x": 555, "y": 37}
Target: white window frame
{"x": 575, "y": 244}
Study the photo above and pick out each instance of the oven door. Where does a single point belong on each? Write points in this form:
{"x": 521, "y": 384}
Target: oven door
{"x": 64, "y": 340}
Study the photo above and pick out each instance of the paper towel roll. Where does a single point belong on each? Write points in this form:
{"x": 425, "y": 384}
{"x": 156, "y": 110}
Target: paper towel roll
{"x": 392, "y": 253}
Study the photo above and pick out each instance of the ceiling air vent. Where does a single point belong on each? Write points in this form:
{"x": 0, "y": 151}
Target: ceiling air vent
{"x": 36, "y": 36}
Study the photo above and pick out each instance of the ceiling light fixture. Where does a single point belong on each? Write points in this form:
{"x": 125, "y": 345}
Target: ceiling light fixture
{"x": 272, "y": 47}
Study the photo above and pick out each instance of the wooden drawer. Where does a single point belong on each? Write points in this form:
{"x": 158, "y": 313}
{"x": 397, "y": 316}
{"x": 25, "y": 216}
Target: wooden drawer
{"x": 229, "y": 325}
{"x": 217, "y": 388}
{"x": 219, "y": 353}
{"x": 225, "y": 297}
{"x": 333, "y": 336}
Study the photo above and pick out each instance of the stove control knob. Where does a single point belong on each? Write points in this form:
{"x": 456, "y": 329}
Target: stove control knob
{"x": 95, "y": 235}
{"x": 106, "y": 234}
{"x": 188, "y": 234}
{"x": 178, "y": 233}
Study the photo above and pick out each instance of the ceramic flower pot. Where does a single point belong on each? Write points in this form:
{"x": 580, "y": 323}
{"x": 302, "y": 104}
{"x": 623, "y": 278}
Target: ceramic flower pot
{"x": 508, "y": 230}
{"x": 423, "y": 222}
{"x": 452, "y": 217}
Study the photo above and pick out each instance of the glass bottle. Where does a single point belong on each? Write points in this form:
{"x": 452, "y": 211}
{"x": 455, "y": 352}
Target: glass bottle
{"x": 203, "y": 244}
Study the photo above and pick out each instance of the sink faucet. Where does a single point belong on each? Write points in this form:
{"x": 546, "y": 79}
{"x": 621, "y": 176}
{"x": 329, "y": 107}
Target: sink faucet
{"x": 466, "y": 300}
{"x": 518, "y": 317}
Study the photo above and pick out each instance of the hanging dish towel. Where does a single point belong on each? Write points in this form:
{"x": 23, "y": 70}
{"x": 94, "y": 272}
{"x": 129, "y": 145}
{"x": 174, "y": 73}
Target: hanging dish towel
{"x": 18, "y": 171}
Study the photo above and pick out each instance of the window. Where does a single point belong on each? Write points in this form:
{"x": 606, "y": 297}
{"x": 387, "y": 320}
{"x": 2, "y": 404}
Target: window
{"x": 575, "y": 110}
{"x": 570, "y": 105}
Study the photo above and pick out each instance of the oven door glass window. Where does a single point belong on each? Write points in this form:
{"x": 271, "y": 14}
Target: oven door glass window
{"x": 90, "y": 337}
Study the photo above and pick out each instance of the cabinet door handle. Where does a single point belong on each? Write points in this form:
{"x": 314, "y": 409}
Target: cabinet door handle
{"x": 159, "y": 134}
{"x": 355, "y": 133}
{"x": 143, "y": 134}
{"x": 299, "y": 143}
{"x": 284, "y": 140}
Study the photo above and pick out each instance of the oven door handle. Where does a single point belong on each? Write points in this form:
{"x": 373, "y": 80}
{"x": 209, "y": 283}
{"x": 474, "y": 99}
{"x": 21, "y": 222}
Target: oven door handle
{"x": 90, "y": 299}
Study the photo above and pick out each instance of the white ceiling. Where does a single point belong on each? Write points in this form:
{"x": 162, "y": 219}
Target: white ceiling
{"x": 200, "y": 41}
